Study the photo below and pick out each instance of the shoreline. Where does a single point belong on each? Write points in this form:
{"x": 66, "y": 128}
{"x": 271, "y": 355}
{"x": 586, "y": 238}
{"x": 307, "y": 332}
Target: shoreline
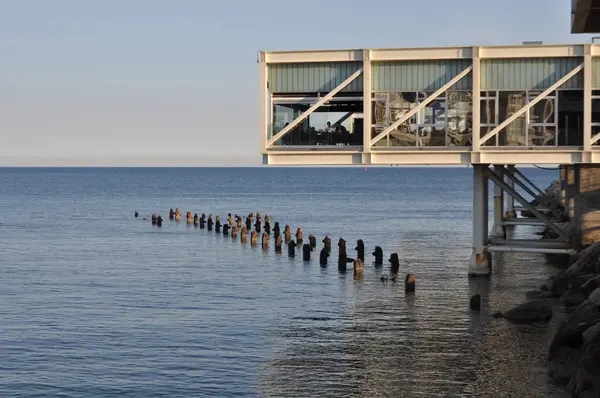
{"x": 573, "y": 295}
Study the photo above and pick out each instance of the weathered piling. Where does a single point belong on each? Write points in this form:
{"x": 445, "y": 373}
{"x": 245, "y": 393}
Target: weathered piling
{"x": 218, "y": 224}
{"x": 210, "y": 222}
{"x": 278, "y": 243}
{"x": 136, "y": 215}
{"x": 342, "y": 256}
{"x": 292, "y": 249}
{"x": 360, "y": 250}
{"x": 234, "y": 232}
{"x": 153, "y": 219}
{"x": 327, "y": 244}
{"x": 306, "y": 249}
{"x": 276, "y": 230}
{"x": 248, "y": 223}
{"x": 323, "y": 257}
{"x": 358, "y": 268}
{"x": 312, "y": 240}
{"x": 409, "y": 282}
{"x": 257, "y": 225}
{"x": 265, "y": 241}
{"x": 299, "y": 236}
{"x": 287, "y": 233}
{"x": 196, "y": 220}
{"x": 244, "y": 234}
{"x": 253, "y": 238}
{"x": 171, "y": 214}
{"x": 395, "y": 263}
{"x": 267, "y": 226}
{"x": 202, "y": 221}
{"x": 159, "y": 221}
{"x": 378, "y": 253}
{"x": 226, "y": 228}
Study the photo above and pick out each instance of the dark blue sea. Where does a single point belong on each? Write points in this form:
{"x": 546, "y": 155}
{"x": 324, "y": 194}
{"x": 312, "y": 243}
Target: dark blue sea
{"x": 97, "y": 303}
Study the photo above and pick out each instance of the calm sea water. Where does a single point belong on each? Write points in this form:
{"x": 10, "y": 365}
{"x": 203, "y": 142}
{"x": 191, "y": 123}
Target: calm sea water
{"x": 94, "y": 302}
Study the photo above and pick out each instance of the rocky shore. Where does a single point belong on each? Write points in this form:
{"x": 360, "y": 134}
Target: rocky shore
{"x": 574, "y": 295}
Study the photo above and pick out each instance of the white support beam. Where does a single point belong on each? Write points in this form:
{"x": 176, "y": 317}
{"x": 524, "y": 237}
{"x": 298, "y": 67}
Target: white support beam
{"x": 314, "y": 107}
{"x": 476, "y": 107}
{"x": 587, "y": 98}
{"x": 422, "y": 105}
{"x": 367, "y": 103}
{"x": 534, "y": 101}
{"x": 263, "y": 103}
{"x": 595, "y": 139}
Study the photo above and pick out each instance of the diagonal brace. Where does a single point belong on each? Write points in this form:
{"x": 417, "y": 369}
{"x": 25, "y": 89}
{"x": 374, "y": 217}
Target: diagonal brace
{"x": 499, "y": 182}
{"x": 508, "y": 172}
{"x": 518, "y": 172}
{"x": 595, "y": 139}
{"x": 530, "y": 104}
{"x": 421, "y": 105}
{"x": 314, "y": 107}
{"x": 512, "y": 172}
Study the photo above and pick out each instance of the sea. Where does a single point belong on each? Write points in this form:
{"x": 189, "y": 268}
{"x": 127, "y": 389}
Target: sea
{"x": 97, "y": 303}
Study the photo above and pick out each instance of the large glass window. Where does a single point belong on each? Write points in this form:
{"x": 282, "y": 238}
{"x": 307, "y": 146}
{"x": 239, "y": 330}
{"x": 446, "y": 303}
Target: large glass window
{"x": 570, "y": 117}
{"x": 444, "y": 121}
{"x": 552, "y": 121}
{"x": 337, "y": 123}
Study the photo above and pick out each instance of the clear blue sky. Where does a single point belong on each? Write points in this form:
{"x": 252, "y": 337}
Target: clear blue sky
{"x": 176, "y": 82}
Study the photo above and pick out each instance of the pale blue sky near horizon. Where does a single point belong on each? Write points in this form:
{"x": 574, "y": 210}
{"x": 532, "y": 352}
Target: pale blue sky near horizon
{"x": 156, "y": 82}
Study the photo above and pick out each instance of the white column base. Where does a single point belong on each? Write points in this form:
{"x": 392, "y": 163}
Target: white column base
{"x": 499, "y": 231}
{"x": 480, "y": 264}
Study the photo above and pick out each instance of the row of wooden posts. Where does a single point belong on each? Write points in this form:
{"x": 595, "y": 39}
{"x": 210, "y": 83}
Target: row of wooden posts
{"x": 235, "y": 226}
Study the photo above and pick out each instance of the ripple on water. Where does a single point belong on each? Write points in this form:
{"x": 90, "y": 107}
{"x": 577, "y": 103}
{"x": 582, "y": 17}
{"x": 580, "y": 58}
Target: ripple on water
{"x": 97, "y": 303}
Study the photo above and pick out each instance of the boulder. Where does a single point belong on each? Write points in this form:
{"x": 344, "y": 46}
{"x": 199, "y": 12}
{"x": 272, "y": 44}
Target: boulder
{"x": 570, "y": 333}
{"x": 581, "y": 280}
{"x": 572, "y": 297}
{"x": 586, "y": 374}
{"x": 591, "y": 334}
{"x": 591, "y": 285}
{"x": 541, "y": 294}
{"x": 563, "y": 364}
{"x": 530, "y": 312}
{"x": 587, "y": 262}
{"x": 557, "y": 284}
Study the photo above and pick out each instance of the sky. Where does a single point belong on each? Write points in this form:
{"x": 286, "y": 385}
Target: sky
{"x": 149, "y": 82}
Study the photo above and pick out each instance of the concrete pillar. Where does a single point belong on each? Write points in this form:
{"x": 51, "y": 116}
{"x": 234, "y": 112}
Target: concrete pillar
{"x": 498, "y": 230}
{"x": 587, "y": 204}
{"x": 479, "y": 264}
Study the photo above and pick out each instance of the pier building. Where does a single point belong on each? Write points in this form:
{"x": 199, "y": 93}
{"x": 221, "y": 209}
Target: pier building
{"x": 490, "y": 107}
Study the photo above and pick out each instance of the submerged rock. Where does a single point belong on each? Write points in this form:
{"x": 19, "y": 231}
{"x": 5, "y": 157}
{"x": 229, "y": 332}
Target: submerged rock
{"x": 530, "y": 312}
